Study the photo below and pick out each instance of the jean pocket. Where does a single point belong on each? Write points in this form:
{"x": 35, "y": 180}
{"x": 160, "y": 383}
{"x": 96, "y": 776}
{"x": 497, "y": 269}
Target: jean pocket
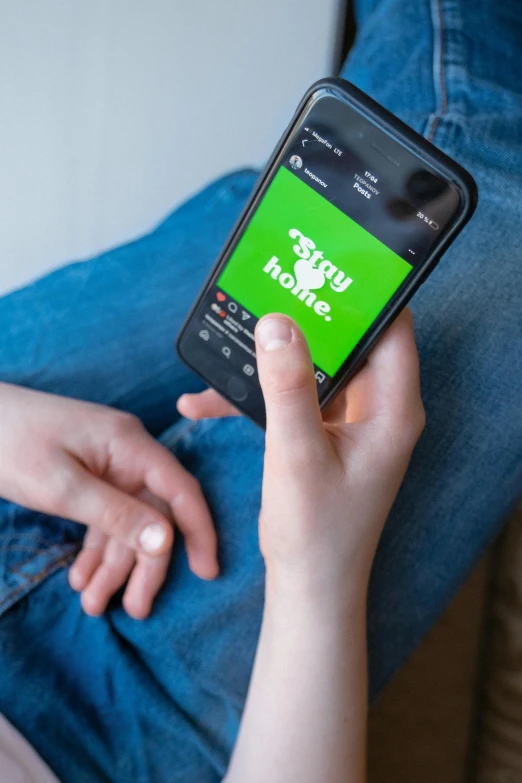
{"x": 32, "y": 547}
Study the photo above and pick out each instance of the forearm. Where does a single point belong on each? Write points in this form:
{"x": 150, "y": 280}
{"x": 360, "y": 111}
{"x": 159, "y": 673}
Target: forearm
{"x": 305, "y": 717}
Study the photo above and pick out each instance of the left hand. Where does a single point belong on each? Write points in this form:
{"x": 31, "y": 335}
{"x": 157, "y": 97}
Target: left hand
{"x": 100, "y": 467}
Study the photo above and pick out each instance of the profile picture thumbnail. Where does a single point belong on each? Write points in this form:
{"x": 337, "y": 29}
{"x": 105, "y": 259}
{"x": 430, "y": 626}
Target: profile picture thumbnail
{"x": 296, "y": 162}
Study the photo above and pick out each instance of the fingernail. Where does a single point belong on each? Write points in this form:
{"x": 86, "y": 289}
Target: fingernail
{"x": 152, "y": 538}
{"x": 274, "y": 333}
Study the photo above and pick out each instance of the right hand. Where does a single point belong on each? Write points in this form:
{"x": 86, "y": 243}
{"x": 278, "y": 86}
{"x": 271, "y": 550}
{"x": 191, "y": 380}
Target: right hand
{"x": 329, "y": 483}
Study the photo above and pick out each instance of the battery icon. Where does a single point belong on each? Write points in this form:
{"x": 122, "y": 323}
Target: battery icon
{"x": 434, "y": 226}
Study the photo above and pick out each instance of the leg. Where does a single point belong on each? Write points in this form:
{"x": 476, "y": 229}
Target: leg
{"x": 158, "y": 700}
{"x": 162, "y": 699}
{"x": 461, "y": 86}
{"x": 104, "y": 330}
{"x": 99, "y": 310}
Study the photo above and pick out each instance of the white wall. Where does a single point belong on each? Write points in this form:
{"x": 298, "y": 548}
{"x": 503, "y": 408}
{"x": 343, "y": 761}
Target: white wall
{"x": 113, "y": 111}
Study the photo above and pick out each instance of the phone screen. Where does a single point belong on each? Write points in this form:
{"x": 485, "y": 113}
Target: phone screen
{"x": 345, "y": 218}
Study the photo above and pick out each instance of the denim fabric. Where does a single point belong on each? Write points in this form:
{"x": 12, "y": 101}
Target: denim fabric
{"x": 112, "y": 699}
{"x": 452, "y": 69}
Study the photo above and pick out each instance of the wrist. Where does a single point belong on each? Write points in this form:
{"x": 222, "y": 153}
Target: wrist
{"x": 309, "y": 596}
{"x": 313, "y": 629}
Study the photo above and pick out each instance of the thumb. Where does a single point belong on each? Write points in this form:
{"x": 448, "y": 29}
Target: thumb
{"x": 287, "y": 379}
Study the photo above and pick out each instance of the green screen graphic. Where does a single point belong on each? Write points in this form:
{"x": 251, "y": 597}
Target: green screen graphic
{"x": 302, "y": 256}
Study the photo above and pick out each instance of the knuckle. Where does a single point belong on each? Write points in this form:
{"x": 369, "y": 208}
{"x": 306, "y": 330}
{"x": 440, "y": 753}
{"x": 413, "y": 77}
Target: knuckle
{"x": 288, "y": 383}
{"x": 116, "y": 518}
{"x": 123, "y": 424}
{"x": 58, "y": 491}
{"x": 188, "y": 485}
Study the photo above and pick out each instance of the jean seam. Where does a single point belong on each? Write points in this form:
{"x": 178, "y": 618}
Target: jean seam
{"x": 17, "y": 569}
{"x": 33, "y": 580}
{"x": 438, "y": 70}
{"x": 21, "y": 535}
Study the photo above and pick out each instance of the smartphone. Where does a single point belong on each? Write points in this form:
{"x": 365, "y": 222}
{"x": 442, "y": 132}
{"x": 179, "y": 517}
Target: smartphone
{"x": 351, "y": 214}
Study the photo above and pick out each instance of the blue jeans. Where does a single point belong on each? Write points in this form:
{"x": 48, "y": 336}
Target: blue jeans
{"x": 113, "y": 699}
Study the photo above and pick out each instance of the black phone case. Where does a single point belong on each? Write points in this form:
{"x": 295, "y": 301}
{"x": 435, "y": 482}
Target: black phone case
{"x": 395, "y": 128}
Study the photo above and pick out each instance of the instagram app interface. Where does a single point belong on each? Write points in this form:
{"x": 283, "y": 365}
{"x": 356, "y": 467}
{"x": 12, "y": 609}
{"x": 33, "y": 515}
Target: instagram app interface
{"x": 302, "y": 256}
{"x": 339, "y": 227}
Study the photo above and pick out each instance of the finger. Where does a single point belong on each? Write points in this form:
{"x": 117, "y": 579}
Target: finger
{"x": 205, "y": 405}
{"x": 287, "y": 379}
{"x": 85, "y": 498}
{"x": 144, "y": 584}
{"x": 388, "y": 386}
{"x": 148, "y": 574}
{"x": 88, "y": 559}
{"x": 109, "y": 577}
{"x": 165, "y": 477}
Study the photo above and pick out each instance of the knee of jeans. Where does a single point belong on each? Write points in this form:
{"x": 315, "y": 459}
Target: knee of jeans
{"x": 392, "y": 59}
{"x": 230, "y": 190}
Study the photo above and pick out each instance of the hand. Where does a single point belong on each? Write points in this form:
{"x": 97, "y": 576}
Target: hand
{"x": 101, "y": 468}
{"x": 329, "y": 482}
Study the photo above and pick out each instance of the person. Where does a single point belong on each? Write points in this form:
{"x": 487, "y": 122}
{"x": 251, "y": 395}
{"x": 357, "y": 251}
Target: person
{"x": 90, "y": 462}
{"x": 105, "y": 697}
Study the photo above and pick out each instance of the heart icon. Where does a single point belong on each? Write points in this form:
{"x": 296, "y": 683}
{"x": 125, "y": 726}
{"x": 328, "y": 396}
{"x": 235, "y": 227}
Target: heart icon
{"x": 220, "y": 297}
{"x": 307, "y": 277}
